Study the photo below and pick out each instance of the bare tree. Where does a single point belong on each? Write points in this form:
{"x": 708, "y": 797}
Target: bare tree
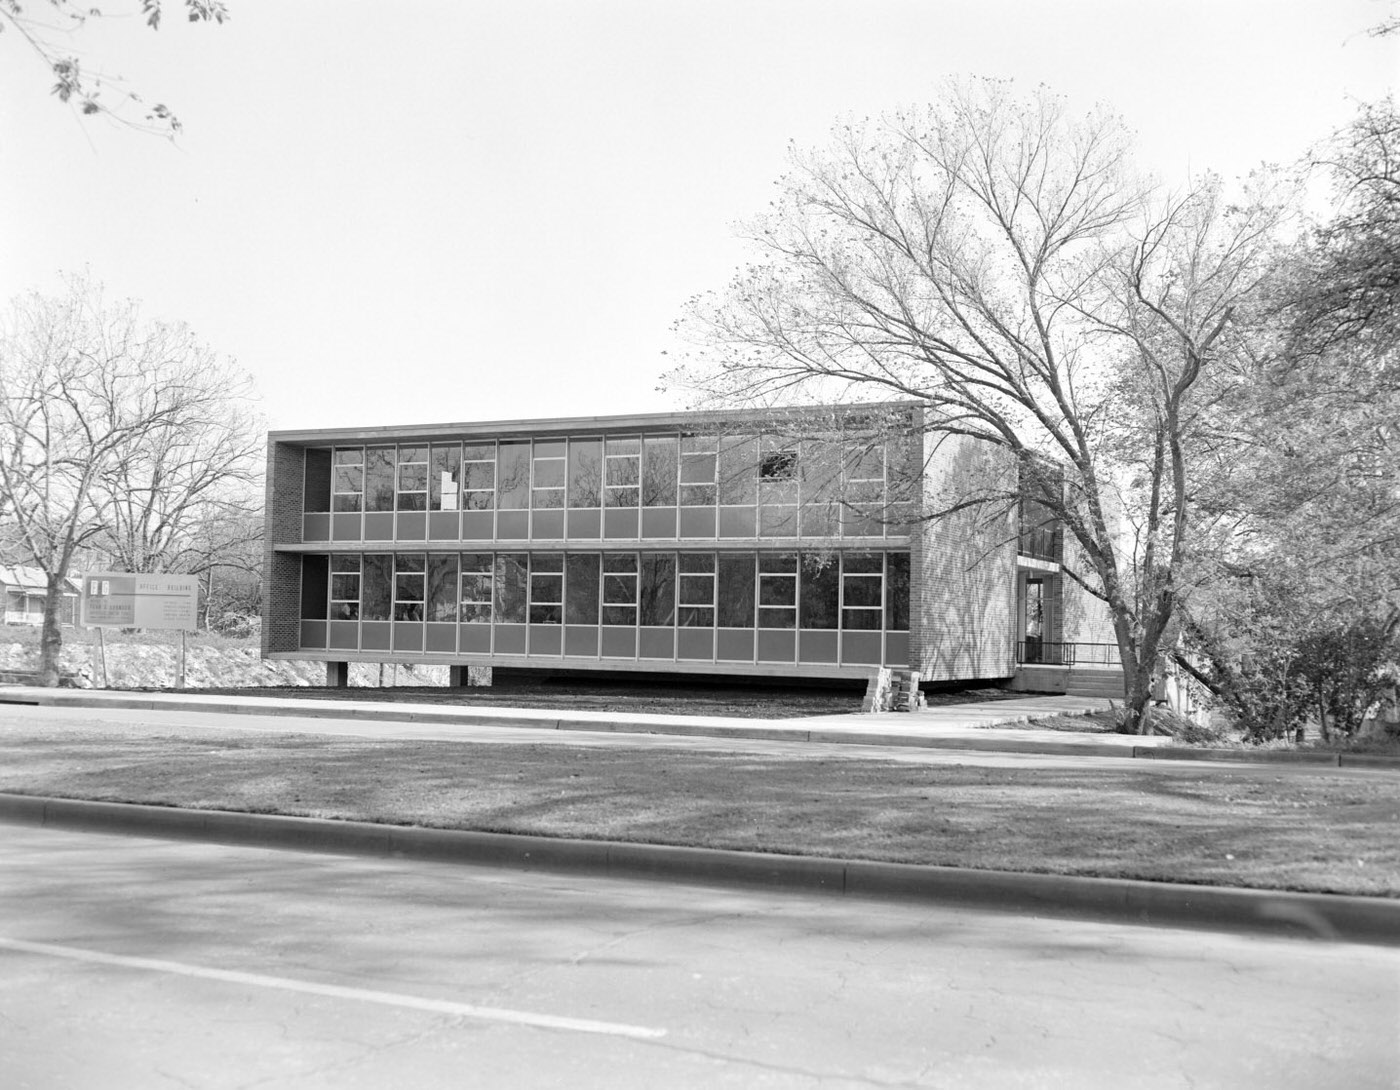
{"x": 1000, "y": 262}
{"x": 88, "y": 391}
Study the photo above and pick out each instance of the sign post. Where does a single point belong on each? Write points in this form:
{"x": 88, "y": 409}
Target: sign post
{"x": 127, "y": 600}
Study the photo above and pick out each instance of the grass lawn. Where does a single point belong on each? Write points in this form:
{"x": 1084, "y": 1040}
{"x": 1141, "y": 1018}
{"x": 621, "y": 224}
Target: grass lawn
{"x": 1248, "y": 827}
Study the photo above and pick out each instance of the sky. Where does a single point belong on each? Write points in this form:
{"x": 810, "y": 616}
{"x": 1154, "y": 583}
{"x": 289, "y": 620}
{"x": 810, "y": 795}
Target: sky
{"x": 453, "y": 210}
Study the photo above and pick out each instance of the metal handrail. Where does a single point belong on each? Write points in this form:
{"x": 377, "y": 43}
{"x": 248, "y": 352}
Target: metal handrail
{"x": 1035, "y": 652}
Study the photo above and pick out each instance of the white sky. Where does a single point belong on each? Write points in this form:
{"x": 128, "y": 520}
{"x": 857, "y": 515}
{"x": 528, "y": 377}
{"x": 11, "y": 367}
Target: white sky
{"x": 466, "y": 210}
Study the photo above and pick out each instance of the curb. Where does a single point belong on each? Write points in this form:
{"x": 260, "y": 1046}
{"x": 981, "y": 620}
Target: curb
{"x": 1317, "y": 915}
{"x": 700, "y": 728}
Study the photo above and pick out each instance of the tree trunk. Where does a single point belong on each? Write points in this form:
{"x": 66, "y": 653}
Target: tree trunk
{"x": 51, "y": 635}
{"x": 1137, "y": 697}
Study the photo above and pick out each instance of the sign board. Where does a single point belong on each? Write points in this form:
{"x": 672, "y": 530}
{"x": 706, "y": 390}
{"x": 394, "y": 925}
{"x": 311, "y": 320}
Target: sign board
{"x": 124, "y": 600}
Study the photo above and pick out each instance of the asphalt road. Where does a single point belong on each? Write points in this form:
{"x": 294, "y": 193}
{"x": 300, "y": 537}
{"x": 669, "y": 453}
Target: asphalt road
{"x": 127, "y": 962}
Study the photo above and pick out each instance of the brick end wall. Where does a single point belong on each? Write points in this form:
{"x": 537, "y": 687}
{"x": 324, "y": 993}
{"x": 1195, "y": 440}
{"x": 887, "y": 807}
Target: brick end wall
{"x": 963, "y": 579}
{"x": 281, "y": 591}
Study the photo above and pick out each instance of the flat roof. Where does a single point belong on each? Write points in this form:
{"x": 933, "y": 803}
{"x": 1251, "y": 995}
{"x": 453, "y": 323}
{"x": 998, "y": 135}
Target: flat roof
{"x": 574, "y": 424}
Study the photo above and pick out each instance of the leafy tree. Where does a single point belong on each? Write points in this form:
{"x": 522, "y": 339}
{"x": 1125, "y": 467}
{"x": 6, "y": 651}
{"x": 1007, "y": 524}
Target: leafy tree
{"x": 84, "y": 88}
{"x": 997, "y": 260}
{"x": 90, "y": 396}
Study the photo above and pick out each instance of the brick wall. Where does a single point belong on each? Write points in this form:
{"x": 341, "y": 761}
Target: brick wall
{"x": 963, "y": 582}
{"x": 281, "y": 591}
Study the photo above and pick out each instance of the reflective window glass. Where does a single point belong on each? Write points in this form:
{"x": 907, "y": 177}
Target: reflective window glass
{"x": 585, "y": 472}
{"x": 657, "y": 589}
{"x": 547, "y": 588}
{"x": 511, "y": 583}
{"x": 695, "y": 589}
{"x": 548, "y": 476}
{"x": 476, "y": 588}
{"x": 736, "y": 590}
{"x": 513, "y": 476}
{"x": 345, "y": 588}
{"x": 897, "y": 591}
{"x": 413, "y": 479}
{"x": 659, "y": 471}
{"x": 478, "y": 476}
{"x": 409, "y": 570}
{"x": 379, "y": 479}
{"x": 445, "y": 477}
{"x": 348, "y": 480}
{"x": 442, "y": 587}
{"x": 377, "y": 587}
{"x": 622, "y": 473}
{"x": 620, "y": 588}
{"x": 581, "y": 572}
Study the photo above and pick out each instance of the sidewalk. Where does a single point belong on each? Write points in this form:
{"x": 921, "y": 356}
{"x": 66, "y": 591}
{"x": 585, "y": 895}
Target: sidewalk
{"x": 990, "y": 726}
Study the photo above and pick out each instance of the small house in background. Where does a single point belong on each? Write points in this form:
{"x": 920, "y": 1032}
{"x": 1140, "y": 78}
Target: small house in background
{"x": 26, "y": 590}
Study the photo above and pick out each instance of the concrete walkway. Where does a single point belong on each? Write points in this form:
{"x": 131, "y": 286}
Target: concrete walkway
{"x": 990, "y": 726}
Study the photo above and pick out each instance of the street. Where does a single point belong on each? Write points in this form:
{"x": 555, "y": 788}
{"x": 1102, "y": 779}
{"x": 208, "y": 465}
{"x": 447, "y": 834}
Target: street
{"x": 130, "y": 962}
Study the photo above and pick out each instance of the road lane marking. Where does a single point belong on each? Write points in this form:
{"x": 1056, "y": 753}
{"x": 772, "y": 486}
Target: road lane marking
{"x": 335, "y": 991}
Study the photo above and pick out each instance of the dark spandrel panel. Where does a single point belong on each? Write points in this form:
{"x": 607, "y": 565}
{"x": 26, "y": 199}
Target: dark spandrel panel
{"x": 659, "y": 466}
{"x": 656, "y": 643}
{"x": 586, "y": 473}
{"x": 375, "y": 635}
{"x": 695, "y": 644}
{"x": 441, "y": 638}
{"x": 376, "y": 587}
{"x": 474, "y": 639}
{"x": 777, "y": 521}
{"x": 619, "y": 643}
{"x": 734, "y": 645}
{"x": 659, "y": 522}
{"x": 697, "y": 522}
{"x": 546, "y": 639}
{"x": 412, "y": 526}
{"x": 478, "y": 525}
{"x": 777, "y": 646}
{"x": 657, "y": 589}
{"x": 547, "y": 525}
{"x": 344, "y": 636}
{"x": 444, "y": 526}
{"x": 379, "y": 479}
{"x": 820, "y": 593}
{"x": 620, "y": 523}
{"x": 379, "y": 526}
{"x": 738, "y": 522}
{"x": 315, "y": 582}
{"x": 510, "y": 639}
{"x": 316, "y": 487}
{"x": 817, "y": 646}
{"x": 861, "y": 648}
{"x": 735, "y": 591}
{"x": 511, "y": 525}
{"x": 581, "y": 641}
{"x": 581, "y": 572}
{"x": 313, "y": 635}
{"x": 586, "y": 524}
{"x": 820, "y": 520}
{"x": 408, "y": 636}
{"x": 896, "y": 648}
{"x": 897, "y": 592}
{"x": 513, "y": 476}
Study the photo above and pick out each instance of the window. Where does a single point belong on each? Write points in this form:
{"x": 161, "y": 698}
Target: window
{"x": 478, "y": 476}
{"x": 735, "y": 590}
{"x": 777, "y": 590}
{"x": 657, "y": 589}
{"x": 376, "y": 586}
{"x": 738, "y": 464}
{"x": 778, "y": 465}
{"x": 549, "y": 474}
{"x": 513, "y": 480}
{"x": 511, "y": 586}
{"x": 621, "y": 472}
{"x": 547, "y": 588}
{"x": 348, "y": 480}
{"x": 620, "y": 588}
{"x": 413, "y": 479}
{"x": 820, "y": 592}
{"x": 475, "y": 594}
{"x": 659, "y": 471}
{"x": 696, "y": 590}
{"x": 864, "y": 493}
{"x": 585, "y": 472}
{"x": 442, "y": 587}
{"x": 409, "y": 570}
{"x": 862, "y": 592}
{"x": 379, "y": 479}
{"x": 345, "y": 588}
{"x": 581, "y": 588}
{"x": 445, "y": 478}
{"x": 698, "y": 467}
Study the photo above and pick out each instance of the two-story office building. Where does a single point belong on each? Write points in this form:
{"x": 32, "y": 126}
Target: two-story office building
{"x": 731, "y": 544}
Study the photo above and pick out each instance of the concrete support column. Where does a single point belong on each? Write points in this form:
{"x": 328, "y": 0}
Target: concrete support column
{"x": 337, "y": 675}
